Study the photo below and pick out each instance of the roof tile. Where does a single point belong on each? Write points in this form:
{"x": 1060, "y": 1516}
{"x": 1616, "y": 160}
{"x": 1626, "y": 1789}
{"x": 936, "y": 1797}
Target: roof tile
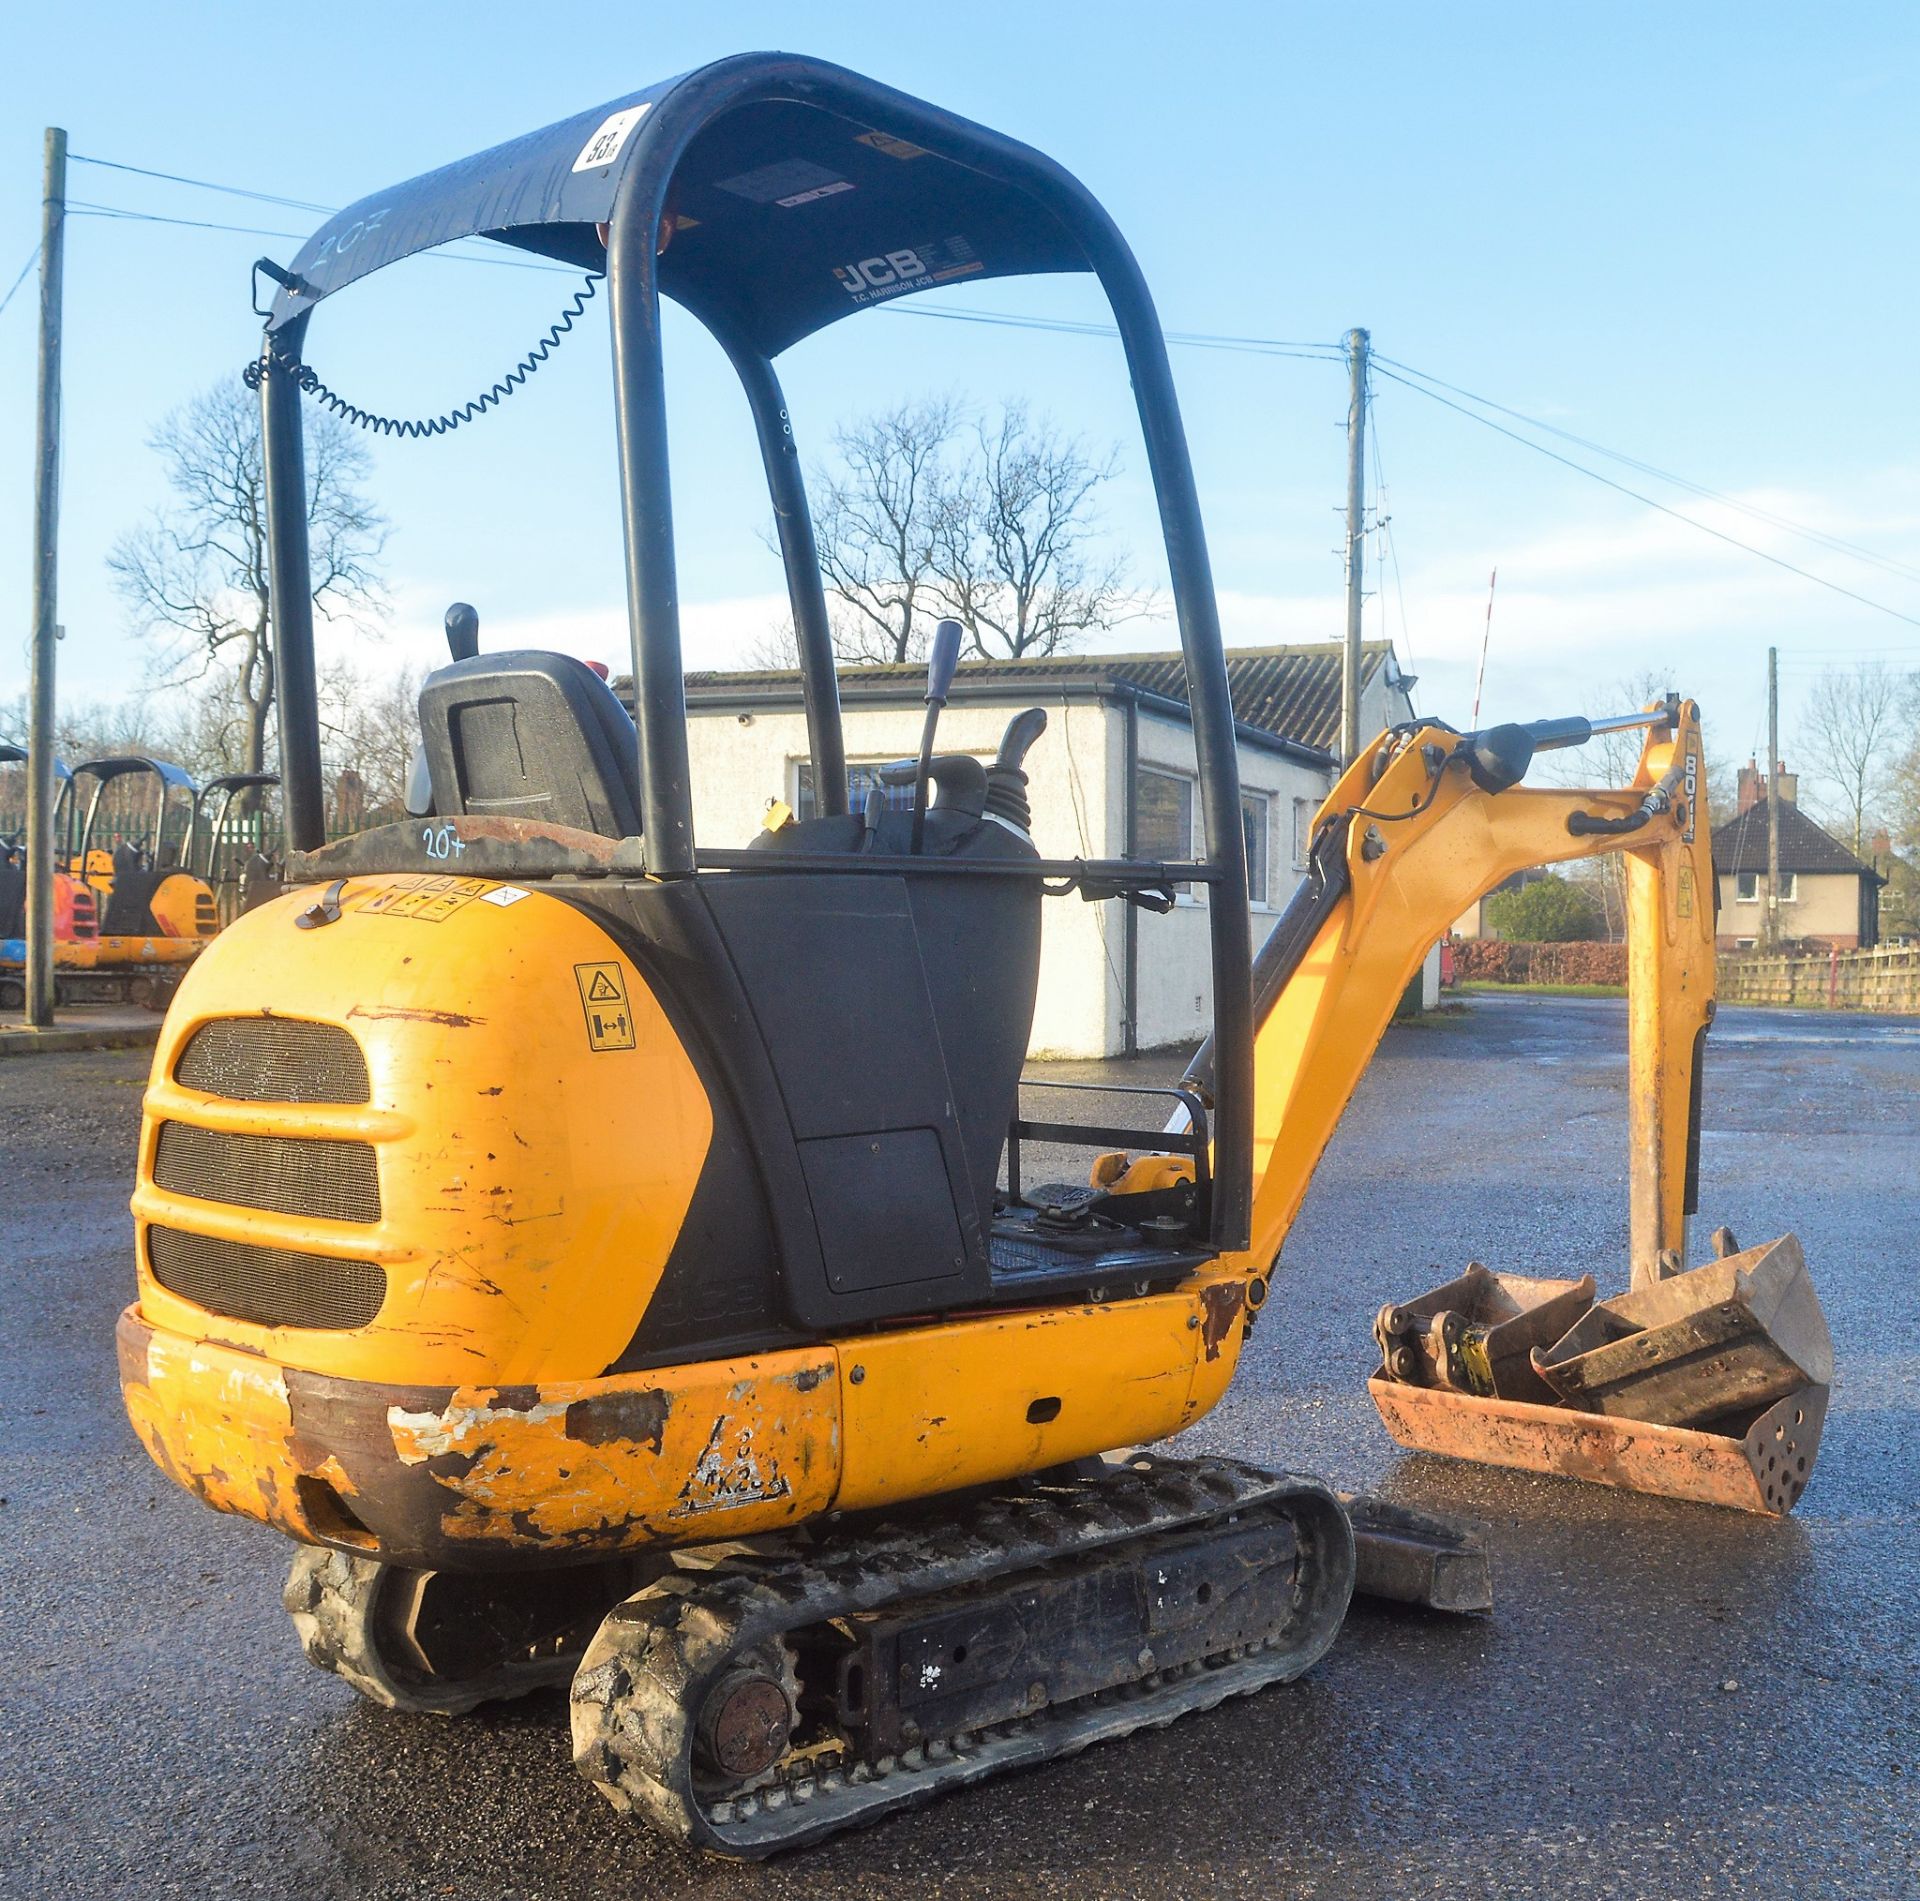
{"x": 1804, "y": 846}
{"x": 1291, "y": 691}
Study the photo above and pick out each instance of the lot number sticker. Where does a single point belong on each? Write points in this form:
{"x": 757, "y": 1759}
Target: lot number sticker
{"x": 603, "y": 996}
{"x": 604, "y": 147}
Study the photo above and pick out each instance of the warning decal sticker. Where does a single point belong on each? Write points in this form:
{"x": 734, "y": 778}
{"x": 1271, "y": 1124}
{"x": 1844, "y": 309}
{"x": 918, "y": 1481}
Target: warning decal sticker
{"x": 432, "y": 900}
{"x": 603, "y": 996}
{"x": 786, "y": 182}
{"x": 887, "y": 143}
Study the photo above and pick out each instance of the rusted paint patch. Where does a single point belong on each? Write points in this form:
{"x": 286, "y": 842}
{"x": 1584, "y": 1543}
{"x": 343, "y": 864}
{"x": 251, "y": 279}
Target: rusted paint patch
{"x": 1670, "y": 1461}
{"x": 490, "y": 1475}
{"x": 1223, "y": 1302}
{"x": 612, "y": 1418}
{"x": 214, "y": 1448}
{"x": 401, "y": 1013}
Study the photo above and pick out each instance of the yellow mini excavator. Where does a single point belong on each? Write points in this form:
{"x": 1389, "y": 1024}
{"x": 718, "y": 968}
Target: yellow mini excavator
{"x": 134, "y": 855}
{"x": 592, "y": 1245}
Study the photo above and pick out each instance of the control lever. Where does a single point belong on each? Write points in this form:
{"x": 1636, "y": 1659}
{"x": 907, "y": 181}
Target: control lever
{"x": 463, "y": 631}
{"x": 876, "y": 811}
{"x": 1006, "y": 800}
{"x": 941, "y": 663}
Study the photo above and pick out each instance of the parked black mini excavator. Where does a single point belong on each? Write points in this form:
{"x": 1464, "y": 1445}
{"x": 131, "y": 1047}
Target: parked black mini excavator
{"x": 525, "y": 1229}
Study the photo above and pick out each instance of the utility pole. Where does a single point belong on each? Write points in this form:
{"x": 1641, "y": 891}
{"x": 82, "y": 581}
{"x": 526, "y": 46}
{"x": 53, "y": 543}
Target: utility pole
{"x": 1773, "y": 798}
{"x": 46, "y": 544}
{"x": 1357, "y": 346}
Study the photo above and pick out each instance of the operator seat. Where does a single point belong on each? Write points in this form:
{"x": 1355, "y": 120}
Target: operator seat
{"x": 136, "y": 878}
{"x": 13, "y": 893}
{"x": 530, "y": 735}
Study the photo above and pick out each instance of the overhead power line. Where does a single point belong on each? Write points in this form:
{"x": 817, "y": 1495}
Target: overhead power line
{"x": 267, "y": 198}
{"x": 1409, "y": 376}
{"x": 1607, "y": 481}
{"x": 206, "y": 184}
{"x": 33, "y": 258}
{"x": 1075, "y": 327}
{"x": 1418, "y": 381}
{"x": 1818, "y": 535}
{"x": 80, "y": 208}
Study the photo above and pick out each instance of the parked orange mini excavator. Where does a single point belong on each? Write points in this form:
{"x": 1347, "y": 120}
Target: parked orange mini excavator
{"x": 134, "y": 854}
{"x": 75, "y": 922}
{"x": 599, "y": 1249}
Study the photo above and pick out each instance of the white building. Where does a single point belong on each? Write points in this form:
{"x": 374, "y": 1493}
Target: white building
{"x": 1112, "y": 777}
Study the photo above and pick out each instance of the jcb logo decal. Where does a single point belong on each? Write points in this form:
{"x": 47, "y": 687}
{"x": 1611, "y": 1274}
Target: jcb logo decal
{"x": 881, "y": 273}
{"x": 913, "y": 267}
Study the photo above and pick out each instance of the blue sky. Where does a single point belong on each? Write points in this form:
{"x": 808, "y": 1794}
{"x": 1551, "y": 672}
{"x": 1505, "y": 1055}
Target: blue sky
{"x": 1687, "y": 232}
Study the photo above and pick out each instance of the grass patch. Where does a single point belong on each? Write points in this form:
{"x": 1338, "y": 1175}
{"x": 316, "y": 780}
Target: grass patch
{"x": 1542, "y": 990}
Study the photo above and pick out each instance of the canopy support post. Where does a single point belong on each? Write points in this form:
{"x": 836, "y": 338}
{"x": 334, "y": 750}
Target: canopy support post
{"x": 646, "y": 508}
{"x": 812, "y": 631}
{"x": 290, "y": 588}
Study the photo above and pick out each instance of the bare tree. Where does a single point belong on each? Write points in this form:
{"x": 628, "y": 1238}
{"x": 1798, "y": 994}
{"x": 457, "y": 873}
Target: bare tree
{"x": 879, "y": 522}
{"x": 1850, "y": 737}
{"x": 1607, "y": 759}
{"x": 196, "y": 575}
{"x": 997, "y": 531}
{"x": 369, "y": 726}
{"x": 1014, "y": 561}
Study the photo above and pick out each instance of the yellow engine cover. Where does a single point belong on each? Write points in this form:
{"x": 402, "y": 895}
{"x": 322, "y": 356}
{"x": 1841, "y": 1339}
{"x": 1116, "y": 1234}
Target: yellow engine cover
{"x": 536, "y": 1128}
{"x": 502, "y": 1192}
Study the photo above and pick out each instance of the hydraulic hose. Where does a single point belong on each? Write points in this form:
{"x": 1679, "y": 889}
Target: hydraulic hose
{"x": 1660, "y": 799}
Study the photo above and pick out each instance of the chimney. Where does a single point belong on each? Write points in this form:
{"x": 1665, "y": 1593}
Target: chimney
{"x": 1785, "y": 782}
{"x": 1881, "y": 849}
{"x": 1749, "y": 786}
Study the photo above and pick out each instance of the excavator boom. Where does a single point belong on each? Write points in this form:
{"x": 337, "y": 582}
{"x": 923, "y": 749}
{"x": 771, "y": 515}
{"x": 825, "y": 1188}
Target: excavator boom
{"x": 1415, "y": 830}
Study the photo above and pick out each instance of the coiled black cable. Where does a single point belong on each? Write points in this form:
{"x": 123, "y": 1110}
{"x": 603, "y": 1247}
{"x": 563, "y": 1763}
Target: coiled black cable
{"x": 417, "y": 429}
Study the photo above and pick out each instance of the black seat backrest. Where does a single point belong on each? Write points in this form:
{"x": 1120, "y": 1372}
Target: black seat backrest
{"x": 531, "y": 736}
{"x": 13, "y": 893}
{"x": 129, "y": 910}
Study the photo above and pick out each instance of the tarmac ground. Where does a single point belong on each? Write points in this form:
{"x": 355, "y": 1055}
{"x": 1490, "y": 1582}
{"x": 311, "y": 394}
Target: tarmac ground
{"x": 1668, "y": 1700}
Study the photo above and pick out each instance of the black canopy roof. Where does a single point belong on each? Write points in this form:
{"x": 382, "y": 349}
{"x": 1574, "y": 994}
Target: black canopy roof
{"x": 786, "y": 211}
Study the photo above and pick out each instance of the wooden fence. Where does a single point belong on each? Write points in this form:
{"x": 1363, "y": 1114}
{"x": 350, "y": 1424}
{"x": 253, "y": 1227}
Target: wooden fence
{"x": 1879, "y": 980}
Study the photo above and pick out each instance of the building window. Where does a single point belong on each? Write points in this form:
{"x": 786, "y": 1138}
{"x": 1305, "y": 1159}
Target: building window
{"x": 1789, "y": 886}
{"x": 860, "y": 781}
{"x": 1746, "y": 887}
{"x": 1303, "y": 811}
{"x": 1163, "y": 819}
{"x": 1254, "y": 807}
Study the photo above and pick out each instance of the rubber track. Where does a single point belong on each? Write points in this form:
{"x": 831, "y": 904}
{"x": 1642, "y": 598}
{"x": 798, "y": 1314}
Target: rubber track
{"x": 650, "y": 1666}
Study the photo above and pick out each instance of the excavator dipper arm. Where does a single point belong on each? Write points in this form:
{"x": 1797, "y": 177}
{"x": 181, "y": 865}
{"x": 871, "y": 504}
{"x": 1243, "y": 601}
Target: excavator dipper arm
{"x": 1414, "y": 831}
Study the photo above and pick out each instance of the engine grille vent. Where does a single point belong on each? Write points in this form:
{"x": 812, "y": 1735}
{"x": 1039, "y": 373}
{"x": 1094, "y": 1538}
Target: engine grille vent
{"x": 272, "y": 1287}
{"x": 290, "y": 1174}
{"x": 274, "y": 1059}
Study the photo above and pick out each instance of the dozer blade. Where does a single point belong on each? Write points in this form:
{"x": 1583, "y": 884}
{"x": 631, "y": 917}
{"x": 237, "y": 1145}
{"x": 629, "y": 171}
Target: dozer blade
{"x": 768, "y": 1700}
